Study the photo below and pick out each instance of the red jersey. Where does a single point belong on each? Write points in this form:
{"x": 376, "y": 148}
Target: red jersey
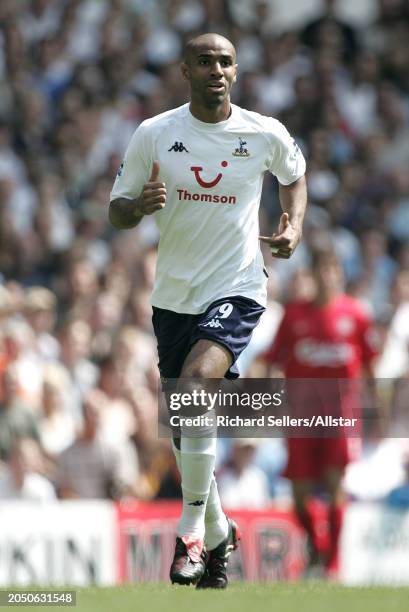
{"x": 330, "y": 341}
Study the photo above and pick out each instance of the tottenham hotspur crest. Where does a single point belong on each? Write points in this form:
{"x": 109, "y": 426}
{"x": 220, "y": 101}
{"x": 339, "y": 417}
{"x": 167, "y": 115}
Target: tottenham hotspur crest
{"x": 241, "y": 151}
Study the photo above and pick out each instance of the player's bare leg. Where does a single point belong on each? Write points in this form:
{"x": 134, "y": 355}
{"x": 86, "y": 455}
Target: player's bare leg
{"x": 196, "y": 459}
{"x": 207, "y": 359}
{"x": 332, "y": 479}
{"x": 302, "y": 490}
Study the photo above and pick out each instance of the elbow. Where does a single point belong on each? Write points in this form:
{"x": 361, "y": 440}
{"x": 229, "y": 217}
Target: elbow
{"x": 113, "y": 216}
{"x": 121, "y": 214}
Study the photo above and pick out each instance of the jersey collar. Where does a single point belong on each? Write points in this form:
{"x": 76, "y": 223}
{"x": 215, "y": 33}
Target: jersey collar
{"x": 210, "y": 127}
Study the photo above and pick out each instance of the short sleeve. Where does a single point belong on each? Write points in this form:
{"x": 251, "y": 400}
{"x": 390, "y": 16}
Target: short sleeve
{"x": 135, "y": 168}
{"x": 287, "y": 162}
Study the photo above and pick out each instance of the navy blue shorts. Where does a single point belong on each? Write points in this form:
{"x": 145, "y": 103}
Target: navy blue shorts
{"x": 228, "y": 321}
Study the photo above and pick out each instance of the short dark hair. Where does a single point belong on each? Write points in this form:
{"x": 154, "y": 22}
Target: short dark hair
{"x": 322, "y": 253}
{"x": 190, "y": 45}
{"x": 187, "y": 49}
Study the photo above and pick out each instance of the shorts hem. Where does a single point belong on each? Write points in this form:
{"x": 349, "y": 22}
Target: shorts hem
{"x": 200, "y": 336}
{"x": 203, "y": 309}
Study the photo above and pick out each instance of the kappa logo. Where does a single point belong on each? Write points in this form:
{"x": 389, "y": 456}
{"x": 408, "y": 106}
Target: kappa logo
{"x": 241, "y": 151}
{"x": 225, "y": 311}
{"x": 214, "y": 323}
{"x": 198, "y": 502}
{"x": 207, "y": 184}
{"x": 178, "y": 147}
{"x": 121, "y": 167}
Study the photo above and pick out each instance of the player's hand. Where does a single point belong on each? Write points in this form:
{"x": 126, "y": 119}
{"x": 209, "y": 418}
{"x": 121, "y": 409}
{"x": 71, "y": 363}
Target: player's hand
{"x": 284, "y": 242}
{"x": 153, "y": 196}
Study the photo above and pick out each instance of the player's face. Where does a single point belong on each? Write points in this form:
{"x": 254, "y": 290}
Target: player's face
{"x": 211, "y": 72}
{"x": 329, "y": 275}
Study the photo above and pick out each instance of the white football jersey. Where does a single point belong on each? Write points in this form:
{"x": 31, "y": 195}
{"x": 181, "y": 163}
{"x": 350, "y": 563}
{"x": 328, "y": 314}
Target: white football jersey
{"x": 209, "y": 247}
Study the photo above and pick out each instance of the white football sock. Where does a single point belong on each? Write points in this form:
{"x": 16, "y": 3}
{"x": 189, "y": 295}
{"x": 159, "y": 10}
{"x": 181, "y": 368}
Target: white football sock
{"x": 216, "y": 524}
{"x": 215, "y": 520}
{"x": 197, "y": 459}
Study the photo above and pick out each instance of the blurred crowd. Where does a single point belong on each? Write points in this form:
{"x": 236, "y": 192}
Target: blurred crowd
{"x": 78, "y": 399}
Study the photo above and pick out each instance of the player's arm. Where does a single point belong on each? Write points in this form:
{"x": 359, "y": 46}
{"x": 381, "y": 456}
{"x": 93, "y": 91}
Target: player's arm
{"x": 293, "y": 200}
{"x": 287, "y": 163}
{"x": 125, "y": 213}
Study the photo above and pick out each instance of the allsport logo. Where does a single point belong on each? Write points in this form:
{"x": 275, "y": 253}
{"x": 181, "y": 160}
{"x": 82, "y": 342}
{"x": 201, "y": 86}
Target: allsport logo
{"x": 207, "y": 184}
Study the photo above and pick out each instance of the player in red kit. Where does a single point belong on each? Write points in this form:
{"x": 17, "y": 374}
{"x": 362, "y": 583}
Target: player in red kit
{"x": 330, "y": 337}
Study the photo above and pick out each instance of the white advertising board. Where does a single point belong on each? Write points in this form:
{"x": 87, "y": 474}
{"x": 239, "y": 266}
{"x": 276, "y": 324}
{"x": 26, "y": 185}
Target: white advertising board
{"x": 375, "y": 545}
{"x": 71, "y": 543}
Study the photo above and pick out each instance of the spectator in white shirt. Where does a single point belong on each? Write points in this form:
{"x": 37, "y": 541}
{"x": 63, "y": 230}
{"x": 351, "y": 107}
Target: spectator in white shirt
{"x": 21, "y": 478}
{"x": 241, "y": 483}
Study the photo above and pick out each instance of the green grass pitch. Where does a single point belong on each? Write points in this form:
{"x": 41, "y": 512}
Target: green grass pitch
{"x": 277, "y": 597}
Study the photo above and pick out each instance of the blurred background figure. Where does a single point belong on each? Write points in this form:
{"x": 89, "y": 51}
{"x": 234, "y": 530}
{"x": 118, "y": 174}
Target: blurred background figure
{"x": 328, "y": 336}
{"x": 17, "y": 420}
{"x": 40, "y": 309}
{"x": 21, "y": 354}
{"x": 91, "y": 467}
{"x": 394, "y": 362}
{"x": 23, "y": 477}
{"x": 56, "y": 422}
{"x": 240, "y": 475}
{"x": 399, "y": 496}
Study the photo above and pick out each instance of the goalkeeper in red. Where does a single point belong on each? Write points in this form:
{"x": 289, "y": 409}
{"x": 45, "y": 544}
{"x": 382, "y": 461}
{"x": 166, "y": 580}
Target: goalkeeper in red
{"x": 199, "y": 170}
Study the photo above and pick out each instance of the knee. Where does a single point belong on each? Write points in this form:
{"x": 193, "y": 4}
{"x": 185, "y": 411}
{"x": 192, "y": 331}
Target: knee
{"x": 196, "y": 370}
{"x": 206, "y": 360}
